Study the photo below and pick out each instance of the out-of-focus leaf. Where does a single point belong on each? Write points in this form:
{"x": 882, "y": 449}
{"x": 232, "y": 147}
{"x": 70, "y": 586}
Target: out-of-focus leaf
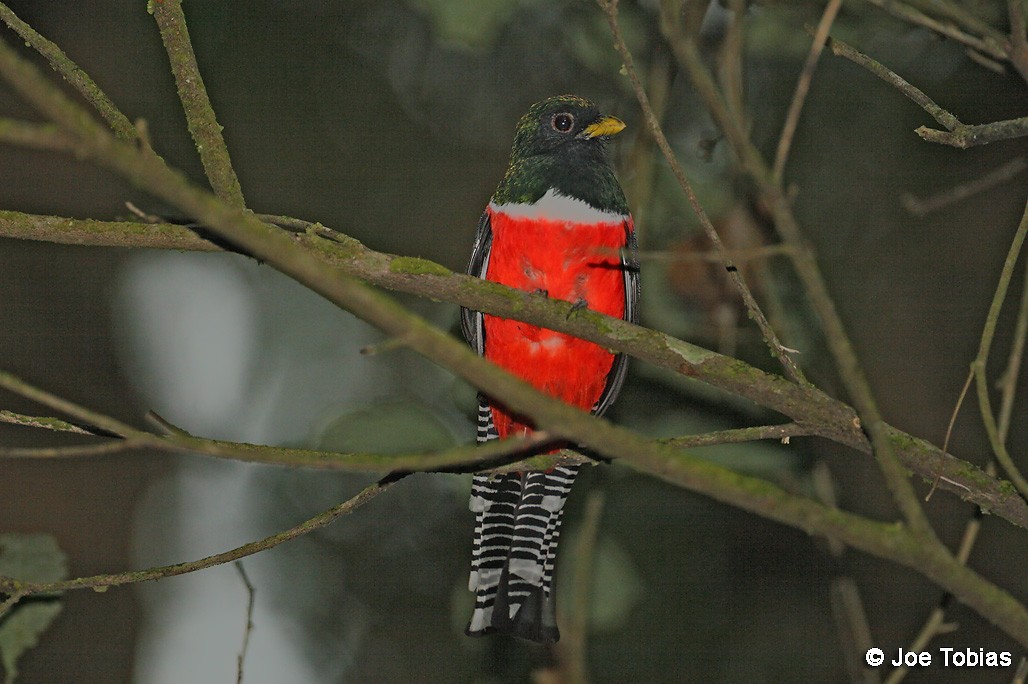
{"x": 588, "y": 38}
{"x": 32, "y": 557}
{"x": 20, "y": 632}
{"x": 470, "y": 25}
{"x": 386, "y": 428}
{"x": 36, "y": 558}
{"x": 616, "y": 586}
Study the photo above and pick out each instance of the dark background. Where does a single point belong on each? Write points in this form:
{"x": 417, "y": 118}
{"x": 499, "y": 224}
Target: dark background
{"x": 391, "y": 121}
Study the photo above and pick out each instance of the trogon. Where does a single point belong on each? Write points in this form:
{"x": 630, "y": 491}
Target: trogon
{"x": 558, "y": 225}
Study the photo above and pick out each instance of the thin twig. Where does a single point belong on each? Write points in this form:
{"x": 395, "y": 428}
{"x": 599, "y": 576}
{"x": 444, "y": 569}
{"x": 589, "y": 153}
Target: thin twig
{"x": 23, "y": 589}
{"x": 200, "y": 117}
{"x": 841, "y": 49}
{"x": 472, "y": 456}
{"x": 37, "y": 136}
{"x": 80, "y": 413}
{"x": 980, "y": 364}
{"x": 251, "y": 594}
{"x": 642, "y": 162}
{"x": 780, "y": 432}
{"x": 1008, "y": 378}
{"x": 733, "y": 62}
{"x": 967, "y": 136}
{"x": 70, "y": 71}
{"x": 75, "y": 451}
{"x": 854, "y": 630}
{"x": 44, "y": 423}
{"x": 10, "y": 602}
{"x": 770, "y": 337}
{"x": 987, "y": 45}
{"x": 573, "y": 648}
{"x": 799, "y": 97}
{"x": 932, "y": 626}
{"x": 1001, "y": 174}
{"x": 850, "y": 371}
{"x": 957, "y": 134}
{"x": 956, "y": 410}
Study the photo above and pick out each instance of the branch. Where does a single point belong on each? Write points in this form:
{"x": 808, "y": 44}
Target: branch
{"x": 853, "y": 377}
{"x": 70, "y": 71}
{"x": 250, "y": 234}
{"x": 979, "y": 365}
{"x": 991, "y": 41}
{"x": 203, "y": 124}
{"x": 38, "y": 136}
{"x": 20, "y": 588}
{"x": 54, "y": 424}
{"x": 768, "y": 333}
{"x": 922, "y": 206}
{"x": 811, "y": 408}
{"x": 792, "y": 117}
{"x": 957, "y": 134}
{"x": 472, "y": 456}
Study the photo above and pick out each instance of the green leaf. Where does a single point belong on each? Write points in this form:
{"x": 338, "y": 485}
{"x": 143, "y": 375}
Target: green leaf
{"x": 387, "y": 428}
{"x": 21, "y": 629}
{"x": 470, "y": 25}
{"x": 33, "y": 558}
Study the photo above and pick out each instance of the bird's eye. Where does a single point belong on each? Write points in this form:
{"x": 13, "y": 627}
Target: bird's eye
{"x": 563, "y": 122}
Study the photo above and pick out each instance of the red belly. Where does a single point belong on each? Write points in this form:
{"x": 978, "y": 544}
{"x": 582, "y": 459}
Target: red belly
{"x": 570, "y": 261}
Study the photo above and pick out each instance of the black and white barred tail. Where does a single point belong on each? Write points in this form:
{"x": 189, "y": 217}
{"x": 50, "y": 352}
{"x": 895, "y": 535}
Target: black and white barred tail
{"x": 517, "y": 527}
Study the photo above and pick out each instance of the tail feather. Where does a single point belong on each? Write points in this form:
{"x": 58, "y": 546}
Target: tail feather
{"x": 517, "y": 528}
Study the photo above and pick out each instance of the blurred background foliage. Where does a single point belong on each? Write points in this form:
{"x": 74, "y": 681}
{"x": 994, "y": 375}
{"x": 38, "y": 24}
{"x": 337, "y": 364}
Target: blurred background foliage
{"x": 391, "y": 120}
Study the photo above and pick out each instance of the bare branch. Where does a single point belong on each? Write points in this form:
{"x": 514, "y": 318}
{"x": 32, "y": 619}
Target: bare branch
{"x": 853, "y": 377}
{"x": 770, "y": 337}
{"x": 980, "y": 364}
{"x": 792, "y": 117}
{"x": 21, "y": 588}
{"x": 957, "y": 134}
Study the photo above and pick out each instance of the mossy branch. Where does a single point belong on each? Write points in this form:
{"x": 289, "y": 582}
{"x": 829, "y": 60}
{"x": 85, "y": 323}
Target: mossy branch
{"x": 200, "y": 118}
{"x": 818, "y": 413}
{"x": 72, "y": 73}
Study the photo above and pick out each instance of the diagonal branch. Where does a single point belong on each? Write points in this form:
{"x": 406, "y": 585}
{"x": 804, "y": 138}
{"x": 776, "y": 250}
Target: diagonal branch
{"x": 811, "y": 408}
{"x": 792, "y": 117}
{"x": 980, "y": 364}
{"x": 21, "y": 589}
{"x": 71, "y": 72}
{"x": 957, "y": 134}
{"x": 200, "y": 118}
{"x": 770, "y": 337}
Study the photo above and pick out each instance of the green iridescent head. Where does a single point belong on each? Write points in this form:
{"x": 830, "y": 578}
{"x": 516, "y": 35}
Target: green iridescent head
{"x": 560, "y": 143}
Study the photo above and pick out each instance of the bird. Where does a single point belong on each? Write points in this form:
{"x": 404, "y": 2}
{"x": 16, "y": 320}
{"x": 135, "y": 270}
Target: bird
{"x": 557, "y": 226}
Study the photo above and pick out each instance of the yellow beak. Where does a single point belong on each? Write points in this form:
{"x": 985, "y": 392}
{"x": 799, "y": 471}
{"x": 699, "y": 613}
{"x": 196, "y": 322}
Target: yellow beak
{"x": 608, "y": 125}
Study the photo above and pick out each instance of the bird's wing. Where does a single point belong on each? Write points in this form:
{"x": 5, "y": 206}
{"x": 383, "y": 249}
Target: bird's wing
{"x": 630, "y": 268}
{"x": 470, "y": 320}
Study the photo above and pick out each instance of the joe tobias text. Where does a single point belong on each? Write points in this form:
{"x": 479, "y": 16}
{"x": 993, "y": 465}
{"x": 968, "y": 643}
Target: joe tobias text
{"x": 953, "y": 657}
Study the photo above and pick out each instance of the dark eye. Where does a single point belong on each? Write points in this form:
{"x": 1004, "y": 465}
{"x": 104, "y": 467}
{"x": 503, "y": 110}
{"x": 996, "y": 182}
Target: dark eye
{"x": 563, "y": 122}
